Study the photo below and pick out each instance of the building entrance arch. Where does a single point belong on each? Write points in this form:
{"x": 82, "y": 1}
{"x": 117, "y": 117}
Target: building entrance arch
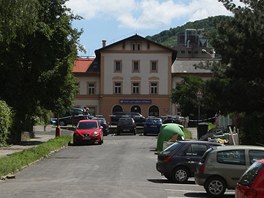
{"x": 117, "y": 108}
{"x": 154, "y": 111}
{"x": 135, "y": 108}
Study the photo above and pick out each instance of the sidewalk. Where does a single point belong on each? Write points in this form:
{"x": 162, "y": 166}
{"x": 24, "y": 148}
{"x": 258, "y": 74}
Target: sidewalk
{"x": 41, "y": 136}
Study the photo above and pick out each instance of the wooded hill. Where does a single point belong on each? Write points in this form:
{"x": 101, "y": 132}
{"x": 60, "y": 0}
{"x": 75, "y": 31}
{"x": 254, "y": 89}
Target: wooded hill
{"x": 169, "y": 37}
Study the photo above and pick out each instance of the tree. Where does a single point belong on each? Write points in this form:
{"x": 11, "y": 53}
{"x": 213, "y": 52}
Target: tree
{"x": 36, "y": 63}
{"x": 5, "y": 122}
{"x": 240, "y": 41}
{"x": 185, "y": 94}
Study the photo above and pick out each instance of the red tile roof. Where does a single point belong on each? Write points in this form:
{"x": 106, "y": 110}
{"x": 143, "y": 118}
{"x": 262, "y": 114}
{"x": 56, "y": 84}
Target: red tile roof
{"x": 81, "y": 65}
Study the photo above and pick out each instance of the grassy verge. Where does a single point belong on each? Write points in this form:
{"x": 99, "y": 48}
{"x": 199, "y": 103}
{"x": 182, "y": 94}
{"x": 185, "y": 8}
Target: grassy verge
{"x": 16, "y": 161}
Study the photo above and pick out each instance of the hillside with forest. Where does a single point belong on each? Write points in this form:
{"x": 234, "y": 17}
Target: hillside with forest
{"x": 169, "y": 37}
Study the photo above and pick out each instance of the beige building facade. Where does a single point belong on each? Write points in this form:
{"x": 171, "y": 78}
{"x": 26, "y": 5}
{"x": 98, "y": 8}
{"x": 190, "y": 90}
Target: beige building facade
{"x": 133, "y": 75}
{"x": 137, "y": 75}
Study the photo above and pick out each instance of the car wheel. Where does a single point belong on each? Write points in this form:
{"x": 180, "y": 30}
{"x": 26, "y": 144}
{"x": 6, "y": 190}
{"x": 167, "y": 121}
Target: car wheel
{"x": 215, "y": 187}
{"x": 180, "y": 175}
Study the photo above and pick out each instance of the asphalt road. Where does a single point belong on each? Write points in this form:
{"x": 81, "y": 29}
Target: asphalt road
{"x": 122, "y": 167}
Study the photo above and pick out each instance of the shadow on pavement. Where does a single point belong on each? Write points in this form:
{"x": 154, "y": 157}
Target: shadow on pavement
{"x": 167, "y": 181}
{"x": 201, "y": 195}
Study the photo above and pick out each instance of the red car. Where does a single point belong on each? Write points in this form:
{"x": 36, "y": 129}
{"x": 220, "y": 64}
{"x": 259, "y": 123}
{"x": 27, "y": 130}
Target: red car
{"x": 251, "y": 183}
{"x": 88, "y": 131}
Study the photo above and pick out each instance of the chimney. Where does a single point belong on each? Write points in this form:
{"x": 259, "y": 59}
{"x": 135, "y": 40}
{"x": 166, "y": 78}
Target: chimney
{"x": 103, "y": 43}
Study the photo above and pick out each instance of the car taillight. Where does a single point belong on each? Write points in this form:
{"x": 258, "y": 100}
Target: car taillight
{"x": 167, "y": 159}
{"x": 250, "y": 194}
{"x": 201, "y": 168}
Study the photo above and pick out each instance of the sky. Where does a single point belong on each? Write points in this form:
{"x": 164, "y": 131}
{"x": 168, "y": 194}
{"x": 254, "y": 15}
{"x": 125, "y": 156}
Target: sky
{"x": 114, "y": 20}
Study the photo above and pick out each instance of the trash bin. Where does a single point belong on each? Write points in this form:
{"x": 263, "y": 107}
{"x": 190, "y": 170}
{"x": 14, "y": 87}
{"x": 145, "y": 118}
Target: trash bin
{"x": 202, "y": 129}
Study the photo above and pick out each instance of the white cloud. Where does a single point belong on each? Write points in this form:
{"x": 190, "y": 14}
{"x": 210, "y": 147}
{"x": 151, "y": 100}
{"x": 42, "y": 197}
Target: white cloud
{"x": 147, "y": 14}
{"x": 200, "y": 9}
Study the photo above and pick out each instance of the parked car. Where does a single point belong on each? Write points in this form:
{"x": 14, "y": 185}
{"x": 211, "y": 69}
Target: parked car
{"x": 72, "y": 117}
{"x": 138, "y": 118}
{"x": 102, "y": 121}
{"x": 152, "y": 125}
{"x": 88, "y": 131}
{"x": 178, "y": 161}
{"x": 174, "y": 119}
{"x": 221, "y": 168}
{"x": 126, "y": 125}
{"x": 251, "y": 183}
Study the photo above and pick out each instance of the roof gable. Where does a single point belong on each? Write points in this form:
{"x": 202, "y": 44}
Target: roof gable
{"x": 135, "y": 38}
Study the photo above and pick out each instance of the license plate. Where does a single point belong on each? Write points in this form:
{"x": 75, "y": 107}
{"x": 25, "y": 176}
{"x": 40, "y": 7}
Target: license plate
{"x": 153, "y": 126}
{"x": 126, "y": 129}
{"x": 86, "y": 138}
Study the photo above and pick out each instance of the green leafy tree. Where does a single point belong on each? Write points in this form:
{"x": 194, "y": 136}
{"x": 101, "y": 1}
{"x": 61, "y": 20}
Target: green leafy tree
{"x": 185, "y": 94}
{"x": 5, "y": 122}
{"x": 36, "y": 62}
{"x": 240, "y": 41}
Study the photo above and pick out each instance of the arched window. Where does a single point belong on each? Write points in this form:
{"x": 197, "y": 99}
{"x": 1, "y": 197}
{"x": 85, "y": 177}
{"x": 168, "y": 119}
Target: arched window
{"x": 117, "y": 108}
{"x": 135, "y": 108}
{"x": 154, "y": 111}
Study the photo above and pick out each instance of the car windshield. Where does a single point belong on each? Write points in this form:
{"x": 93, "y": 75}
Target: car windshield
{"x": 87, "y": 125}
{"x": 247, "y": 178}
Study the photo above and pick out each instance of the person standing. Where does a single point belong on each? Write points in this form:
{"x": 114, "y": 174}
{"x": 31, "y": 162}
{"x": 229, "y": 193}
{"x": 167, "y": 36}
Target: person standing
{"x": 85, "y": 110}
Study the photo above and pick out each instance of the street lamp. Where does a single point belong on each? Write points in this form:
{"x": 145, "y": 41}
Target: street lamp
{"x": 199, "y": 96}
{"x": 210, "y": 54}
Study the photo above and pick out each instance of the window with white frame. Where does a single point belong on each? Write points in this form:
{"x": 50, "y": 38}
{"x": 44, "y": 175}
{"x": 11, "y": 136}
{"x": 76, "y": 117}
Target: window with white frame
{"x": 118, "y": 66}
{"x": 135, "y": 66}
{"x": 153, "y": 66}
{"x": 153, "y": 88}
{"x": 136, "y": 46}
{"x": 91, "y": 88}
{"x": 117, "y": 87}
{"x": 135, "y": 87}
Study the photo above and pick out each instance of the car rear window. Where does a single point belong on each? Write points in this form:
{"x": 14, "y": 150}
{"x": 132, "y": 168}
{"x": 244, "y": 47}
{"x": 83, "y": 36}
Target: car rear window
{"x": 249, "y": 176}
{"x": 153, "y": 121}
{"x": 172, "y": 148}
{"x": 125, "y": 121}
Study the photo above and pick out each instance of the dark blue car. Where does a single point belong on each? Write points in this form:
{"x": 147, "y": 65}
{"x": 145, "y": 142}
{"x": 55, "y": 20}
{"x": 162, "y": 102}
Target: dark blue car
{"x": 152, "y": 125}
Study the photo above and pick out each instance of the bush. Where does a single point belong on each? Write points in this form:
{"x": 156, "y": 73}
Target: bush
{"x": 5, "y": 122}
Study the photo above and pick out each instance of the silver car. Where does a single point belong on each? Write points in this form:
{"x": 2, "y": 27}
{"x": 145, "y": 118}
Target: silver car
{"x": 221, "y": 168}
